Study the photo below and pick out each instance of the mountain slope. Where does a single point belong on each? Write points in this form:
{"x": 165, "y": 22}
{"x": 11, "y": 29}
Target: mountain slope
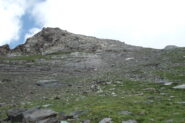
{"x": 75, "y": 72}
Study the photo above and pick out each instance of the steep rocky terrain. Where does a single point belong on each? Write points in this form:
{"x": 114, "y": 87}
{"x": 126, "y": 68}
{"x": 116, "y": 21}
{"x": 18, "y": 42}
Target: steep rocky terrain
{"x": 70, "y": 72}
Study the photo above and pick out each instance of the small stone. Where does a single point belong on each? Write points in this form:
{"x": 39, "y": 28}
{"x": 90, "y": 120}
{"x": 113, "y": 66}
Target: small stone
{"x": 149, "y": 89}
{"x": 170, "y": 121}
{"x": 180, "y": 86}
{"x": 86, "y": 121}
{"x": 113, "y": 94}
{"x": 56, "y": 98}
{"x": 125, "y": 112}
{"x": 48, "y": 83}
{"x": 106, "y": 120}
{"x": 131, "y": 58}
{"x": 129, "y": 121}
{"x": 63, "y": 121}
{"x": 46, "y": 105}
{"x": 108, "y": 83}
{"x": 78, "y": 113}
{"x": 2, "y": 104}
{"x": 168, "y": 83}
{"x": 149, "y": 102}
{"x": 181, "y": 103}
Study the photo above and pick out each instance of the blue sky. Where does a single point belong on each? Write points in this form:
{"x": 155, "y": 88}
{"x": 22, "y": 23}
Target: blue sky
{"x": 146, "y": 23}
{"x": 27, "y": 24}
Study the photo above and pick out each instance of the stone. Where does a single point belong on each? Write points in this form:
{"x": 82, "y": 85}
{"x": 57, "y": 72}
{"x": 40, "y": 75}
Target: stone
{"x": 106, "y": 120}
{"x": 2, "y": 104}
{"x": 170, "y": 47}
{"x": 170, "y": 121}
{"x": 46, "y": 105}
{"x": 149, "y": 102}
{"x": 131, "y": 58}
{"x": 36, "y": 115}
{"x": 48, "y": 83}
{"x": 86, "y": 121}
{"x": 63, "y": 116}
{"x": 180, "y": 86}
{"x": 78, "y": 113}
{"x": 129, "y": 121}
{"x": 15, "y": 115}
{"x": 168, "y": 83}
{"x": 183, "y": 103}
{"x": 64, "y": 122}
{"x": 49, "y": 120}
{"x": 164, "y": 82}
{"x": 125, "y": 113}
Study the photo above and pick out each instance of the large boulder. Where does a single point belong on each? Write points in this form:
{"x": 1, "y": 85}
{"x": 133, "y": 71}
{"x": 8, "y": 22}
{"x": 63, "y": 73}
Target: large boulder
{"x": 15, "y": 115}
{"x": 34, "y": 115}
{"x": 37, "y": 115}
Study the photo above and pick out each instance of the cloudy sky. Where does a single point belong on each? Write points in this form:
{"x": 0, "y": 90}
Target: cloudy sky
{"x": 148, "y": 23}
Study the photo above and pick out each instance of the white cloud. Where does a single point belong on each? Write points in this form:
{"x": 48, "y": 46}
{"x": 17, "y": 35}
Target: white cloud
{"x": 31, "y": 32}
{"x": 11, "y": 12}
{"x": 10, "y": 24}
{"x": 151, "y": 23}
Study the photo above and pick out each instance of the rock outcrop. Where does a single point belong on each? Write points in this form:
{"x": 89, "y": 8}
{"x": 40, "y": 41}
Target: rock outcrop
{"x": 52, "y": 40}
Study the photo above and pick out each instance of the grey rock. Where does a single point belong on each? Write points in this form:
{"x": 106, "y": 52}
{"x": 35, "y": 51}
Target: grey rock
{"x": 168, "y": 83}
{"x": 86, "y": 121}
{"x": 125, "y": 113}
{"x": 129, "y": 121}
{"x": 169, "y": 47}
{"x": 78, "y": 113}
{"x": 180, "y": 86}
{"x": 15, "y": 115}
{"x": 36, "y": 115}
{"x": 63, "y": 116}
{"x": 48, "y": 83}
{"x": 165, "y": 82}
{"x": 63, "y": 121}
{"x": 170, "y": 121}
{"x": 149, "y": 102}
{"x": 181, "y": 103}
{"x": 2, "y": 104}
{"x": 106, "y": 120}
{"x": 49, "y": 120}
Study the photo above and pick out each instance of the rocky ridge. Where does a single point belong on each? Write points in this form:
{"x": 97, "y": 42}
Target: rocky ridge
{"x": 52, "y": 40}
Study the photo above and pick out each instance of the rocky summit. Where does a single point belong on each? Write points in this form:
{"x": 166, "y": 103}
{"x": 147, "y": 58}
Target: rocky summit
{"x": 81, "y": 79}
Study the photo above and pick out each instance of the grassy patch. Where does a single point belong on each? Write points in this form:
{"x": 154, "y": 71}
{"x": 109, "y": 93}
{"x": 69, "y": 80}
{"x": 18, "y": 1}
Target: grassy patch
{"x": 148, "y": 102}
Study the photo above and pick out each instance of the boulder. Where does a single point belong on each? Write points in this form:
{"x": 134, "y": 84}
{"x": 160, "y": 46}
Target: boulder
{"x": 15, "y": 115}
{"x": 37, "y": 115}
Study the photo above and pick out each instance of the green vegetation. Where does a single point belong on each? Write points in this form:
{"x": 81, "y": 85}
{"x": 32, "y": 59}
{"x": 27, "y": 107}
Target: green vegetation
{"x": 27, "y": 58}
{"x": 148, "y": 102}
{"x": 33, "y": 57}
